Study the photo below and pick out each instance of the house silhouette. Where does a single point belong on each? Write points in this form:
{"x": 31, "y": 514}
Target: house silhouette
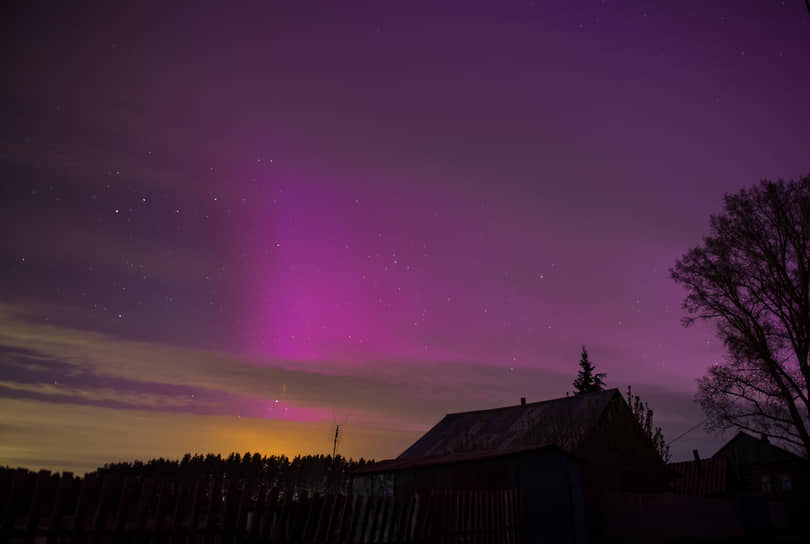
{"x": 599, "y": 430}
{"x": 562, "y": 453}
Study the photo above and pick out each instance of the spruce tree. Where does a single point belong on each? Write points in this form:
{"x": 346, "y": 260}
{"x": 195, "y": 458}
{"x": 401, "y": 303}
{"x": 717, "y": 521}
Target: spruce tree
{"x": 587, "y": 381}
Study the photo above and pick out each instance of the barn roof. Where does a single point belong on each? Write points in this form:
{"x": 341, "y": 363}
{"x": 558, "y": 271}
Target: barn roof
{"x": 563, "y": 422}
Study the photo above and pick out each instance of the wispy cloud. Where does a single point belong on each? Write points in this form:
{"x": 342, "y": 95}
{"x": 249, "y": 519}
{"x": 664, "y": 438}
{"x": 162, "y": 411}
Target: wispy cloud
{"x": 92, "y": 367}
{"x": 46, "y": 365}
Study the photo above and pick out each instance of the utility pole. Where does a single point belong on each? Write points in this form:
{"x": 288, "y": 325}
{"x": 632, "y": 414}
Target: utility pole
{"x": 334, "y": 445}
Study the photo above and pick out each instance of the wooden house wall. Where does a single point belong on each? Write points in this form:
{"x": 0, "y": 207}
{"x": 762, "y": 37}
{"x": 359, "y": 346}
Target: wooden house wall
{"x": 551, "y": 479}
{"x": 552, "y": 482}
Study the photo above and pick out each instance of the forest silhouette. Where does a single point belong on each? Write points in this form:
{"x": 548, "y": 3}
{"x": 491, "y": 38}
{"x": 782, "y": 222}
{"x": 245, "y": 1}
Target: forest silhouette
{"x": 303, "y": 475}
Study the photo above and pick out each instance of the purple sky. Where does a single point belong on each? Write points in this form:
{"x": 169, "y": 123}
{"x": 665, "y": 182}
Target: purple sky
{"x": 232, "y": 228}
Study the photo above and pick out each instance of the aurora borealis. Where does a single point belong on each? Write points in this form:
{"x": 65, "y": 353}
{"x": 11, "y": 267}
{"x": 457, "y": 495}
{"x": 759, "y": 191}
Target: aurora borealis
{"x": 233, "y": 227}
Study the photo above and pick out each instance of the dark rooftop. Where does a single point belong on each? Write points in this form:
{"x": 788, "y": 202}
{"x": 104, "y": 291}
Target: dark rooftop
{"x": 747, "y": 449}
{"x": 391, "y": 465}
{"x": 562, "y": 422}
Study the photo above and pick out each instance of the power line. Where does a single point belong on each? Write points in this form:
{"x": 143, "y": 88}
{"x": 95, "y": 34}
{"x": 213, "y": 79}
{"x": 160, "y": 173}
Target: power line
{"x": 688, "y": 431}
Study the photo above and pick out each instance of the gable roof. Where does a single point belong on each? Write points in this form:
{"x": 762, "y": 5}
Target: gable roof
{"x": 747, "y": 449}
{"x": 563, "y": 422}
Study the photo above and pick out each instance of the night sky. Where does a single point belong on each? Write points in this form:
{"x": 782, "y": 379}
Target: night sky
{"x": 233, "y": 228}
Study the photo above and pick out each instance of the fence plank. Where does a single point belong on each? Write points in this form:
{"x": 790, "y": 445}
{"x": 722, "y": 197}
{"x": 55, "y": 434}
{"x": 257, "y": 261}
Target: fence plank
{"x": 40, "y": 496}
{"x": 336, "y": 532}
{"x": 414, "y": 517}
{"x": 359, "y": 519}
{"x": 510, "y": 515}
{"x": 343, "y": 520}
{"x": 404, "y": 521}
{"x": 331, "y": 522}
{"x": 327, "y": 511}
{"x": 8, "y": 514}
{"x": 490, "y": 504}
{"x": 388, "y": 519}
{"x": 475, "y": 513}
{"x": 312, "y": 513}
{"x": 373, "y": 519}
{"x": 78, "y": 519}
{"x": 111, "y": 508}
{"x": 379, "y": 527}
{"x": 293, "y": 521}
{"x": 504, "y": 511}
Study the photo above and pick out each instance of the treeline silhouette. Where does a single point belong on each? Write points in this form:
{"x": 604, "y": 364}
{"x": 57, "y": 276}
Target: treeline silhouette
{"x": 303, "y": 475}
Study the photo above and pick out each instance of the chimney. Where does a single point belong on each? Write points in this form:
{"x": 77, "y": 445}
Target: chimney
{"x": 697, "y": 461}
{"x": 523, "y": 401}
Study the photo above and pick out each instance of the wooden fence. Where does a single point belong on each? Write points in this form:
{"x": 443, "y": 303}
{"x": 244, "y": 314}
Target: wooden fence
{"x": 662, "y": 517}
{"x": 51, "y": 508}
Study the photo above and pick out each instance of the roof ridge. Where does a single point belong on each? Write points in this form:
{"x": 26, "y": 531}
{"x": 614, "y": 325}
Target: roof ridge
{"x": 572, "y": 397}
{"x": 742, "y": 435}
